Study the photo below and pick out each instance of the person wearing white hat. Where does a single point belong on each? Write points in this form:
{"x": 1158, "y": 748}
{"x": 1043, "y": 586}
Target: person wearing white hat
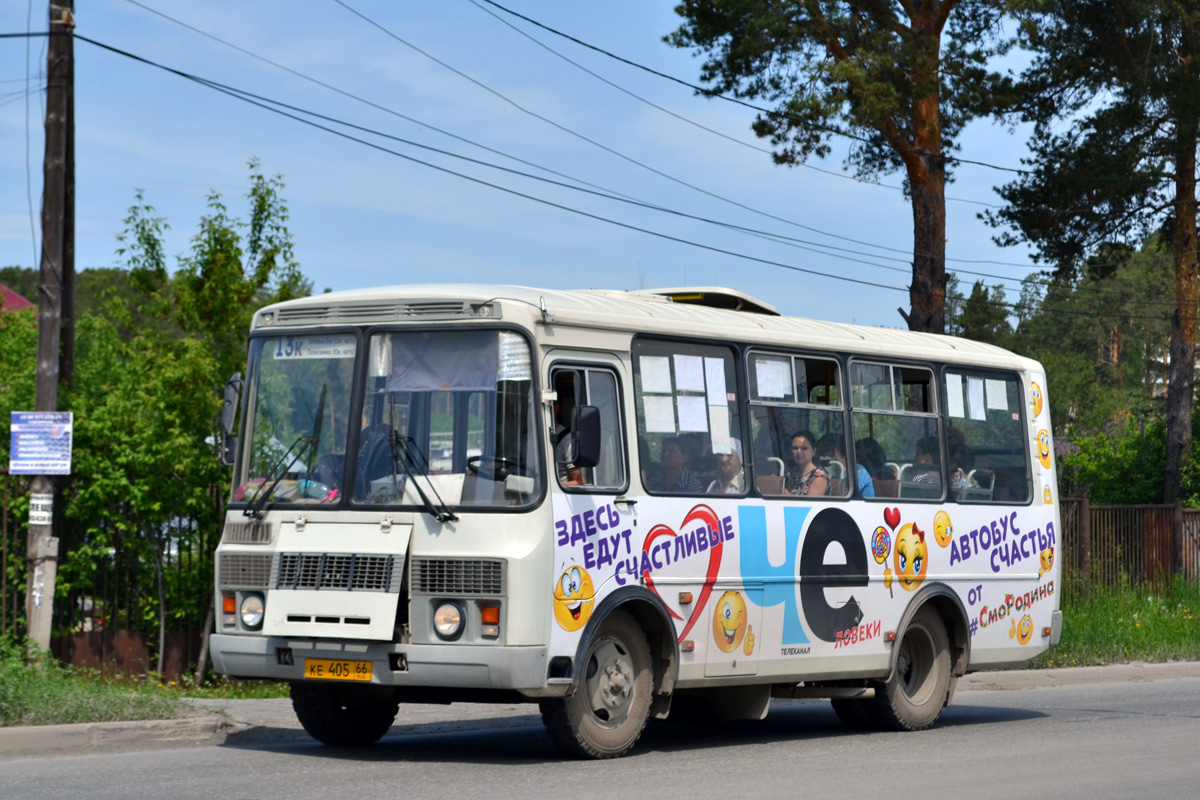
{"x": 730, "y": 478}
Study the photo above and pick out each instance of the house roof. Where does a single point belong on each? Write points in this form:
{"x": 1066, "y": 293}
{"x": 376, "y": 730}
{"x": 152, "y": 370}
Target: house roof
{"x": 11, "y": 301}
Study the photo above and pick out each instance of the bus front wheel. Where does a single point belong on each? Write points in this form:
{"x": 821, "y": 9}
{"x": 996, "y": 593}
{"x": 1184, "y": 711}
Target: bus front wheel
{"x": 607, "y": 712}
{"x": 343, "y": 716}
{"x": 913, "y": 697}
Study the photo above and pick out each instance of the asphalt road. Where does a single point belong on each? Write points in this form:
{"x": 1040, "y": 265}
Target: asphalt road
{"x": 1085, "y": 740}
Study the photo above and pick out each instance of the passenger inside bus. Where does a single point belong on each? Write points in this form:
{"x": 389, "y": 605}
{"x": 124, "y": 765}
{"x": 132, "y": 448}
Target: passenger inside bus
{"x": 803, "y": 476}
{"x": 677, "y": 452}
{"x": 730, "y": 479}
{"x": 926, "y": 467}
{"x": 569, "y": 474}
{"x": 829, "y": 452}
{"x": 869, "y": 453}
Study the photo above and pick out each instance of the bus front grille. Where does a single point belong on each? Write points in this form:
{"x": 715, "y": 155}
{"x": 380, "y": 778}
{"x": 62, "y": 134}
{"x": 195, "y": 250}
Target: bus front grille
{"x": 338, "y": 572}
{"x": 458, "y": 576}
{"x": 244, "y": 571}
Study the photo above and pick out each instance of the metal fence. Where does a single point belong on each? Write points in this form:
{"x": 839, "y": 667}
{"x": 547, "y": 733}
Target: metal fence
{"x": 117, "y": 589}
{"x": 1109, "y": 545}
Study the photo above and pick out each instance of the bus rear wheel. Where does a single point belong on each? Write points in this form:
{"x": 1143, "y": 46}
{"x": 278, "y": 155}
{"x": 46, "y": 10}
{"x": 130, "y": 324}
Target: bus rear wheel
{"x": 343, "y": 716}
{"x": 607, "y": 712}
{"x": 913, "y": 697}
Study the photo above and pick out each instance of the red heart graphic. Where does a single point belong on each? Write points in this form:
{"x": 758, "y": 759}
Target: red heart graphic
{"x": 709, "y": 517}
{"x": 892, "y": 517}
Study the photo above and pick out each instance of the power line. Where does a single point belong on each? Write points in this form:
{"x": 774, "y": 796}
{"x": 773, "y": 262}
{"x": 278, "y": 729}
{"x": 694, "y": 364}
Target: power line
{"x": 660, "y": 173}
{"x": 359, "y": 98}
{"x": 735, "y": 100}
{"x": 809, "y": 246}
{"x": 422, "y": 123}
{"x": 267, "y": 105}
{"x": 692, "y": 122}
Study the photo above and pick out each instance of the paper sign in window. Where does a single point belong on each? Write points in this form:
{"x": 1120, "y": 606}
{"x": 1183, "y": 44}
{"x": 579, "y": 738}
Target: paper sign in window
{"x": 714, "y": 370}
{"x": 656, "y": 375}
{"x": 660, "y": 413}
{"x": 718, "y": 419}
{"x": 693, "y": 414}
{"x": 975, "y": 405}
{"x": 689, "y": 373}
{"x": 954, "y": 395}
{"x": 771, "y": 377}
{"x": 997, "y": 395}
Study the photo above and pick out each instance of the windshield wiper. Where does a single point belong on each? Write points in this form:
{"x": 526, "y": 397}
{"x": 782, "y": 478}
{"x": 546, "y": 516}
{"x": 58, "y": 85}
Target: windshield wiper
{"x": 410, "y": 458}
{"x": 258, "y": 505}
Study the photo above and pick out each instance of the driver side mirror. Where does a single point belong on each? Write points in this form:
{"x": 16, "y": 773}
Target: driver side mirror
{"x": 585, "y": 433}
{"x": 229, "y": 412}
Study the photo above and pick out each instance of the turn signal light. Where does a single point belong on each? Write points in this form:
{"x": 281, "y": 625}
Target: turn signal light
{"x": 228, "y": 604}
{"x": 489, "y": 615}
{"x": 1046, "y": 631}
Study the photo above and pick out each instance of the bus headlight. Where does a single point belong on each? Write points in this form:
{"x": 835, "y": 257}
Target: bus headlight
{"x": 252, "y": 611}
{"x": 448, "y": 620}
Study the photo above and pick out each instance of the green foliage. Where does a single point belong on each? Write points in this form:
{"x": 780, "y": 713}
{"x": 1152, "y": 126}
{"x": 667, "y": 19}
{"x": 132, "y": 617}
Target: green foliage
{"x": 853, "y": 67}
{"x": 1110, "y": 468}
{"x": 1113, "y": 91}
{"x": 36, "y": 690}
{"x": 145, "y": 505}
{"x": 1115, "y": 625}
{"x": 983, "y": 316}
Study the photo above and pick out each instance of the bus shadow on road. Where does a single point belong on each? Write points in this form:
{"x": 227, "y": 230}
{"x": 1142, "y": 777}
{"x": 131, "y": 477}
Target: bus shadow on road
{"x": 522, "y": 739}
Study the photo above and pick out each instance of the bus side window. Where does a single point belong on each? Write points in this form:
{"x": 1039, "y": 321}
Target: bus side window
{"x": 896, "y": 429}
{"x": 596, "y": 387}
{"x": 984, "y": 439}
{"x": 686, "y": 406}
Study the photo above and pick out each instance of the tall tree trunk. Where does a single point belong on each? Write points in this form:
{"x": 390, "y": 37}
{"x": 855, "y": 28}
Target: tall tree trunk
{"x": 1182, "y": 375}
{"x": 926, "y": 167}
{"x": 927, "y": 293}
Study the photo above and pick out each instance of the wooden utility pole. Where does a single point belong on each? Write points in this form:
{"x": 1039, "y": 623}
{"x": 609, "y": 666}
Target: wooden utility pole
{"x": 57, "y": 230}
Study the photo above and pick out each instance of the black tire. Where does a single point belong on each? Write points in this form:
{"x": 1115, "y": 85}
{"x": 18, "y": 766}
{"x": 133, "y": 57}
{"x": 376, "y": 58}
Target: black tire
{"x": 913, "y": 697}
{"x": 854, "y": 714}
{"x": 607, "y": 712}
{"x": 343, "y": 716}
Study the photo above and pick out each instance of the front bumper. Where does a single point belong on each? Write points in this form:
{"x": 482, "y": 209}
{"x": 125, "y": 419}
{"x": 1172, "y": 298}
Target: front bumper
{"x": 422, "y": 665}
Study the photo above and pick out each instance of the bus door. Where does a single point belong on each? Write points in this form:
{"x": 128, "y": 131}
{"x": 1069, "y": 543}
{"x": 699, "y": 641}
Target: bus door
{"x": 596, "y": 538}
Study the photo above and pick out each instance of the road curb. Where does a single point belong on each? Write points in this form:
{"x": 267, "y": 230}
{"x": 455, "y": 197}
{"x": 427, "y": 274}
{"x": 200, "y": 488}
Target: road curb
{"x": 88, "y": 738}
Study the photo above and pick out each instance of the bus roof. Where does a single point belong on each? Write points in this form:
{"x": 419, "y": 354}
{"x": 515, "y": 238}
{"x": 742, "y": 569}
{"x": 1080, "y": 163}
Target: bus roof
{"x": 709, "y": 312}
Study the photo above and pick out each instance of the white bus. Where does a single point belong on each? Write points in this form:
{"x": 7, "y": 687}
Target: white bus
{"x": 624, "y": 505}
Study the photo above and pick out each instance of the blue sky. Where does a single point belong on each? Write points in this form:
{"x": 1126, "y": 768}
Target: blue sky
{"x": 361, "y": 217}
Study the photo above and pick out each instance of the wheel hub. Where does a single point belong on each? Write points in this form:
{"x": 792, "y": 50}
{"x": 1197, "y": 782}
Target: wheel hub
{"x": 610, "y": 685}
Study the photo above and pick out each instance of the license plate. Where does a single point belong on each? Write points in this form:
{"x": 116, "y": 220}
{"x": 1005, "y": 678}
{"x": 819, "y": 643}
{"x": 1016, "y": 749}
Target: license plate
{"x": 338, "y": 670}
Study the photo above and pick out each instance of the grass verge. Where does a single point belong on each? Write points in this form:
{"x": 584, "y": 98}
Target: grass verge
{"x": 1121, "y": 624}
{"x": 37, "y": 690}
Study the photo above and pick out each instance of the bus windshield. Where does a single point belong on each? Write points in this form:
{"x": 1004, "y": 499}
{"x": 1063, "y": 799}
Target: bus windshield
{"x": 299, "y": 399}
{"x": 448, "y": 415}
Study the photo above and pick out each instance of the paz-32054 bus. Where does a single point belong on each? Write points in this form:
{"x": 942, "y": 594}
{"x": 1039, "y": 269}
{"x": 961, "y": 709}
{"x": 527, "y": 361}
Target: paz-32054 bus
{"x": 624, "y": 505}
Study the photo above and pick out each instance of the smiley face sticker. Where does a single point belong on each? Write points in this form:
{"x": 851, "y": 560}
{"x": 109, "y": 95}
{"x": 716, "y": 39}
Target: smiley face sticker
{"x": 911, "y": 557}
{"x": 1036, "y": 395}
{"x": 1043, "y": 448}
{"x": 574, "y": 596}
{"x": 730, "y": 624}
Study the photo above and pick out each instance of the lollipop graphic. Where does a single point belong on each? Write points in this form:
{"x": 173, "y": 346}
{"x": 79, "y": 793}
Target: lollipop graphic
{"x": 881, "y": 545}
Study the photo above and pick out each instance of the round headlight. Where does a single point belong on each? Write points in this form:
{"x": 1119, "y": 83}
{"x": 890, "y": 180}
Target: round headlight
{"x": 448, "y": 620}
{"x": 252, "y": 611}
